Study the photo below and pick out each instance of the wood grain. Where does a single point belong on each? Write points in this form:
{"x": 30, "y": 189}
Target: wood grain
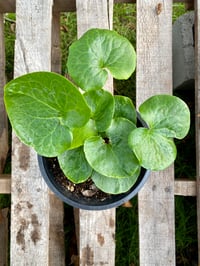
{"x": 185, "y": 187}
{"x": 97, "y": 237}
{"x": 8, "y": 6}
{"x": 5, "y": 184}
{"x": 182, "y": 187}
{"x": 31, "y": 208}
{"x": 154, "y": 76}
{"x": 55, "y": 49}
{"x": 3, "y": 117}
{"x": 197, "y": 112}
{"x": 4, "y": 236}
{"x": 96, "y": 228}
{"x": 56, "y": 215}
{"x": 56, "y": 232}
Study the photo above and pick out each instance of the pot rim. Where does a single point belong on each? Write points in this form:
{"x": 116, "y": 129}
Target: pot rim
{"x": 115, "y": 200}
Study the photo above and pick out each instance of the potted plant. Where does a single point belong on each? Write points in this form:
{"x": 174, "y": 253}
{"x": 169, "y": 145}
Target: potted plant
{"x": 104, "y": 147}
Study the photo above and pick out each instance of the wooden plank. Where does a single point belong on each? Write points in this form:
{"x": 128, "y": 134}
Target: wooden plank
{"x": 4, "y": 237}
{"x": 67, "y": 5}
{"x": 56, "y": 232}
{"x": 30, "y": 207}
{"x": 154, "y": 76}
{"x": 5, "y": 184}
{"x": 97, "y": 237}
{"x": 185, "y": 187}
{"x": 55, "y": 50}
{"x": 94, "y": 14}
{"x": 56, "y": 215}
{"x": 96, "y": 228}
{"x": 181, "y": 187}
{"x": 8, "y": 6}
{"x": 3, "y": 117}
{"x": 197, "y": 113}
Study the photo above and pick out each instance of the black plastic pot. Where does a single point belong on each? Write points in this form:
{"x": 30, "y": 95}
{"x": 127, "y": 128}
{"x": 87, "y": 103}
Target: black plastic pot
{"x": 86, "y": 202}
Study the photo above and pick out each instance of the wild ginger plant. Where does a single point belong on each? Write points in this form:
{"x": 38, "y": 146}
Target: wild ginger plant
{"x": 94, "y": 134}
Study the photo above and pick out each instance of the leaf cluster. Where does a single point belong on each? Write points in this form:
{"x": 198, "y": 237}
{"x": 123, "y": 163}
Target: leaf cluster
{"x": 93, "y": 133}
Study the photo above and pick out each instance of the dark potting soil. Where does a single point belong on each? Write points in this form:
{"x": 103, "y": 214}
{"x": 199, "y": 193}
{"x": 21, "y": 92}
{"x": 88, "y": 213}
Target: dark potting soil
{"x": 86, "y": 189}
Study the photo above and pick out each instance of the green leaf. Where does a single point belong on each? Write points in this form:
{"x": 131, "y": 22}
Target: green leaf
{"x": 98, "y": 52}
{"x": 111, "y": 155}
{"x": 168, "y": 113}
{"x": 125, "y": 108}
{"x": 101, "y": 103}
{"x": 42, "y": 107}
{"x": 74, "y": 165}
{"x": 80, "y": 134}
{"x": 153, "y": 151}
{"x": 114, "y": 185}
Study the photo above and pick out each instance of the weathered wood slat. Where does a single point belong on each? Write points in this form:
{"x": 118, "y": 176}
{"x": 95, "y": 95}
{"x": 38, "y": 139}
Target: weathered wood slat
{"x": 96, "y": 228}
{"x": 94, "y": 14}
{"x": 8, "y": 6}
{"x": 181, "y": 187}
{"x": 56, "y": 232}
{"x": 3, "y": 117}
{"x": 5, "y": 184}
{"x": 97, "y": 237}
{"x": 56, "y": 215}
{"x": 185, "y": 187}
{"x": 31, "y": 209}
{"x": 4, "y": 237}
{"x": 197, "y": 113}
{"x": 154, "y": 76}
{"x": 35, "y": 213}
{"x": 56, "y": 50}
{"x": 61, "y": 6}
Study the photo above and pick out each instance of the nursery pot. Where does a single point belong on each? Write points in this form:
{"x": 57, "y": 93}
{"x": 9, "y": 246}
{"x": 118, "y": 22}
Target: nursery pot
{"x": 84, "y": 202}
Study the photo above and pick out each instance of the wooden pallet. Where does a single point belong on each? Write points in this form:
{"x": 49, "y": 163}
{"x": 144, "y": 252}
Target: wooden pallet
{"x": 37, "y": 215}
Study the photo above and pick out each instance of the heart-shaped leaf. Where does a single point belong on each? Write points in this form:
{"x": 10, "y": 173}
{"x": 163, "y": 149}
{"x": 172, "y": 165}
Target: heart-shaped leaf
{"x": 101, "y": 103}
{"x": 80, "y": 134}
{"x": 74, "y": 165}
{"x": 153, "y": 150}
{"x": 42, "y": 107}
{"x": 114, "y": 185}
{"x": 125, "y": 108}
{"x": 168, "y": 113}
{"x": 111, "y": 155}
{"x": 97, "y": 52}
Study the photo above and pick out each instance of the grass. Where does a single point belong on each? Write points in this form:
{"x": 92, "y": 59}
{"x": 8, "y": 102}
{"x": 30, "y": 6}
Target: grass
{"x": 127, "y": 243}
{"x": 9, "y": 29}
{"x": 186, "y": 232}
{"x": 68, "y": 35}
{"x": 4, "y": 201}
{"x": 124, "y": 22}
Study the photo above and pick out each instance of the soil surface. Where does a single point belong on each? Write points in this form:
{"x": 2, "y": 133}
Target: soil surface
{"x": 86, "y": 189}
